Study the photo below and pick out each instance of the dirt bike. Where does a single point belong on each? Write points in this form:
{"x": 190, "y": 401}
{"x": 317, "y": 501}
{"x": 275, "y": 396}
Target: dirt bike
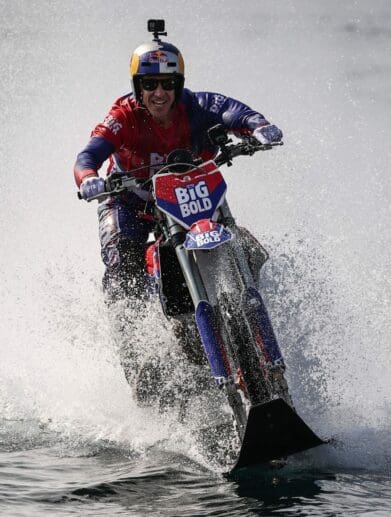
{"x": 206, "y": 269}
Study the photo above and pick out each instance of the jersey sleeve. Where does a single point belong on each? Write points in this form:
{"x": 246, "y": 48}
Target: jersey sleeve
{"x": 90, "y": 159}
{"x": 233, "y": 114}
{"x": 106, "y": 138}
{"x": 112, "y": 128}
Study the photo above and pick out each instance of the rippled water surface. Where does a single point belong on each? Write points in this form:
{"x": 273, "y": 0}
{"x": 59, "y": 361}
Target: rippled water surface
{"x": 62, "y": 478}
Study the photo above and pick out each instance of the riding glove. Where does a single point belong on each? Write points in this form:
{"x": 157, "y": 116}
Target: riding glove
{"x": 92, "y": 187}
{"x": 267, "y": 134}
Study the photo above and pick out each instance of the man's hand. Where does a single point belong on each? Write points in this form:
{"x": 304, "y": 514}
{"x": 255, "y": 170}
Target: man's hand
{"x": 267, "y": 134}
{"x": 91, "y": 187}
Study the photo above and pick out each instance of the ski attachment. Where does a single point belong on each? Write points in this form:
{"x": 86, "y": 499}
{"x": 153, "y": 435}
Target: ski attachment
{"x": 274, "y": 430}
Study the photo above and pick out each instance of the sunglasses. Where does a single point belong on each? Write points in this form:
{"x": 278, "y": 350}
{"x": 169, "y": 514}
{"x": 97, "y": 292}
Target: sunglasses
{"x": 151, "y": 84}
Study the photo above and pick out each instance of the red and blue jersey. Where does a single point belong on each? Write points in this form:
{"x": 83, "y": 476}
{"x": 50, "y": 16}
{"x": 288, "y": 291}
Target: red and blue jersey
{"x": 134, "y": 141}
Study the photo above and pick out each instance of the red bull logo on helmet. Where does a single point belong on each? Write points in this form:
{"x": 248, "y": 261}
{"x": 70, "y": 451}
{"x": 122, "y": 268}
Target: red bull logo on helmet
{"x": 157, "y": 57}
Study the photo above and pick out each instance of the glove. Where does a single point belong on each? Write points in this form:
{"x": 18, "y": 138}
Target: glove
{"x": 267, "y": 134}
{"x": 91, "y": 187}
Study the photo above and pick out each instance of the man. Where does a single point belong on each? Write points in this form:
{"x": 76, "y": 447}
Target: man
{"x": 138, "y": 133}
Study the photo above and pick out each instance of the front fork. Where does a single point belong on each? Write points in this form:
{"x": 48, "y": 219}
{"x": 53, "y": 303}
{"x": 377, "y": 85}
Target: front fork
{"x": 257, "y": 316}
{"x": 207, "y": 326}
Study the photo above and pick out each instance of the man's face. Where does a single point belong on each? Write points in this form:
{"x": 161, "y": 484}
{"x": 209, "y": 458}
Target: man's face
{"x": 159, "y": 100}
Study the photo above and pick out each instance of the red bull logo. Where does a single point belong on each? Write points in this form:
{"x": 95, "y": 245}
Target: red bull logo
{"x": 158, "y": 57}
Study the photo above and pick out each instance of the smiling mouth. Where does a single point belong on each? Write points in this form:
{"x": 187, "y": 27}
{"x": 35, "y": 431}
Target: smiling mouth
{"x": 159, "y": 102}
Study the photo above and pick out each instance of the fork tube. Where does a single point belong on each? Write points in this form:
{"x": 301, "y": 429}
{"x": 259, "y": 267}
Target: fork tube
{"x": 227, "y": 215}
{"x": 188, "y": 265}
{"x": 239, "y": 255}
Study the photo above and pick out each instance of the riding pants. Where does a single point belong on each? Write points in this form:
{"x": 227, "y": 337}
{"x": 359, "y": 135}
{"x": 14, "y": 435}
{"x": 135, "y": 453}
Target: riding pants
{"x": 123, "y": 234}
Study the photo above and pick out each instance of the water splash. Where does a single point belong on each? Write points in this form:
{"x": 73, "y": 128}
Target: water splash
{"x": 323, "y": 198}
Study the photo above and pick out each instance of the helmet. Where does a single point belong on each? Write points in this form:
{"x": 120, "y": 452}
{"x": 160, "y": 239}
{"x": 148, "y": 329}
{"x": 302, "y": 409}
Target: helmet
{"x": 157, "y": 57}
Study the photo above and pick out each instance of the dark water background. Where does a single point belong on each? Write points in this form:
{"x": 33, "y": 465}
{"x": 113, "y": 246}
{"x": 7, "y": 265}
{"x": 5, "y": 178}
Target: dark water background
{"x": 72, "y": 441}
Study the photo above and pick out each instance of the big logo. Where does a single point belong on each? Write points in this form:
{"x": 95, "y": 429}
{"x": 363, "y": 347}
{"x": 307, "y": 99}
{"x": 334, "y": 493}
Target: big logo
{"x": 193, "y": 199}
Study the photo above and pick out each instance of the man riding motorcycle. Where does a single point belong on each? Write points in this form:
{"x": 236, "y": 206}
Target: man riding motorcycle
{"x": 138, "y": 133}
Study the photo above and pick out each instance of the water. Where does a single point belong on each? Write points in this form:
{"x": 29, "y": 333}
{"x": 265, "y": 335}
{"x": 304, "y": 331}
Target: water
{"x": 72, "y": 440}
{"x": 69, "y": 479}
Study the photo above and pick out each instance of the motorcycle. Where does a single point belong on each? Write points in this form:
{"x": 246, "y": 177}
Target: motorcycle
{"x": 205, "y": 269}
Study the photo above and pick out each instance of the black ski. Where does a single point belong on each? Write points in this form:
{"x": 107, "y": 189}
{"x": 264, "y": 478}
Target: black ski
{"x": 274, "y": 430}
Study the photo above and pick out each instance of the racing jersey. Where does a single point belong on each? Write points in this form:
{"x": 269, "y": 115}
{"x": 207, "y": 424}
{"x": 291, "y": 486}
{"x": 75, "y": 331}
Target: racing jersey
{"x": 134, "y": 141}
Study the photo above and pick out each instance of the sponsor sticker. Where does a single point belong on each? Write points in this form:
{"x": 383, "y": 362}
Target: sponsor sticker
{"x": 193, "y": 199}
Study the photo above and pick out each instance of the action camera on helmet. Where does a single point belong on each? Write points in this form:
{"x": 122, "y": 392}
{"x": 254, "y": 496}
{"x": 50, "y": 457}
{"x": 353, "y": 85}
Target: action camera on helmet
{"x": 156, "y": 25}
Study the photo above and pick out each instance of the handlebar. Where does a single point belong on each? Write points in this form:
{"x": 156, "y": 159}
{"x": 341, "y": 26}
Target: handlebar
{"x": 246, "y": 148}
{"x": 121, "y": 182}
{"x": 116, "y": 184}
